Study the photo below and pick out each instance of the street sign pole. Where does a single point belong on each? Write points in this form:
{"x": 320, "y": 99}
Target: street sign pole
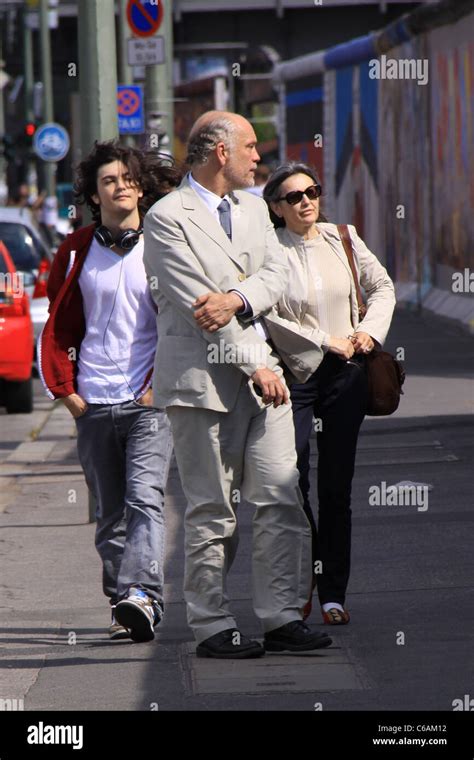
{"x": 155, "y": 104}
{"x": 97, "y": 71}
{"x": 28, "y": 73}
{"x": 46, "y": 76}
{"x": 159, "y": 91}
{"x": 125, "y": 75}
{"x": 145, "y": 19}
{"x": 168, "y": 33}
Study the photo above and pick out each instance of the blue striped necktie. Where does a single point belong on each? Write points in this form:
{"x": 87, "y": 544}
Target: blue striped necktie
{"x": 224, "y": 217}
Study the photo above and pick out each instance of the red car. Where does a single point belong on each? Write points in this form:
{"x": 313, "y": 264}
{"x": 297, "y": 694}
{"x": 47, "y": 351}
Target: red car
{"x": 16, "y": 339}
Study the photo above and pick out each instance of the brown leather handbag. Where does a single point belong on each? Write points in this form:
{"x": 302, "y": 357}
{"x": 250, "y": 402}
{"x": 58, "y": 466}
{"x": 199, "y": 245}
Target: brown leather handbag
{"x": 385, "y": 374}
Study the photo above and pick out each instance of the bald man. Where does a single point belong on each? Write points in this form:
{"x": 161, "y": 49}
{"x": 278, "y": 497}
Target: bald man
{"x": 214, "y": 266}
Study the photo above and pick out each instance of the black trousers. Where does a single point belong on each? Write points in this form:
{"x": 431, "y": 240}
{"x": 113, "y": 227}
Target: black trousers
{"x": 336, "y": 395}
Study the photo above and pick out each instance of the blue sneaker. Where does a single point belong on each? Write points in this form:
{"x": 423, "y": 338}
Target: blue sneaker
{"x": 139, "y": 613}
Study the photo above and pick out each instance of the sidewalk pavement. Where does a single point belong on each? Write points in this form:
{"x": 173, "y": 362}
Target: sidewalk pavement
{"x": 408, "y": 646}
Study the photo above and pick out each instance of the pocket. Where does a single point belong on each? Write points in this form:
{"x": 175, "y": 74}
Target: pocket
{"x": 81, "y": 416}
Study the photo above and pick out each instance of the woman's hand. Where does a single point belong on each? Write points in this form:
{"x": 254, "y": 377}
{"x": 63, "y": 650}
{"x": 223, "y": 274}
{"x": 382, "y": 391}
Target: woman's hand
{"x": 362, "y": 342}
{"x": 76, "y": 405}
{"x": 342, "y": 347}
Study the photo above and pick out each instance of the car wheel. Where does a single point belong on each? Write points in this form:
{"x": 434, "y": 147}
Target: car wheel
{"x": 19, "y": 396}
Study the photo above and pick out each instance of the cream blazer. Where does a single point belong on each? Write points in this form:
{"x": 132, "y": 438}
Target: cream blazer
{"x": 373, "y": 278}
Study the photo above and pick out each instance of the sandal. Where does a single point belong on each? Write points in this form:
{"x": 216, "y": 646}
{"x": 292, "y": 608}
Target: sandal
{"x": 335, "y": 616}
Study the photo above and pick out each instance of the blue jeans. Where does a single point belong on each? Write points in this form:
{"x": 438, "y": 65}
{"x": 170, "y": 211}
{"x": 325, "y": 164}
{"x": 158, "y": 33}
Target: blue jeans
{"x": 125, "y": 452}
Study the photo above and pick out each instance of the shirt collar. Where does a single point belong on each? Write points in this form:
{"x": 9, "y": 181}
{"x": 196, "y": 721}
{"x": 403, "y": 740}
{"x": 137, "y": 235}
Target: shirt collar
{"x": 211, "y": 200}
{"x": 298, "y": 239}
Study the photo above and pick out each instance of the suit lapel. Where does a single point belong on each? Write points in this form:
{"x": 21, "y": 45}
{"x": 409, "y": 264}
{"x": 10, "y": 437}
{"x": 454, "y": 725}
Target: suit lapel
{"x": 198, "y": 213}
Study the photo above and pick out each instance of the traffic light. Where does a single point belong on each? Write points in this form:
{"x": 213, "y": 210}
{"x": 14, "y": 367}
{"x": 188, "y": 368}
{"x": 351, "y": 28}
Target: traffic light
{"x": 30, "y": 129}
{"x": 25, "y": 138}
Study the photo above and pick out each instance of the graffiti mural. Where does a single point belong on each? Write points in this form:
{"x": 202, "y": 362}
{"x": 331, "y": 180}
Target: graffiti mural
{"x": 399, "y": 155}
{"x": 453, "y": 147}
{"x": 404, "y": 161}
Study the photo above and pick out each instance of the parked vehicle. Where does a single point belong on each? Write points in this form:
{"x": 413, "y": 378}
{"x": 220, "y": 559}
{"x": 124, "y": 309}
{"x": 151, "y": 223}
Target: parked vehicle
{"x": 32, "y": 256}
{"x": 16, "y": 339}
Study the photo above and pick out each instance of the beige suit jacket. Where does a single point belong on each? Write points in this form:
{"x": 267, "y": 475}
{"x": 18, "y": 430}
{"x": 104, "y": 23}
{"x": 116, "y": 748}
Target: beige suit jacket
{"x": 187, "y": 254}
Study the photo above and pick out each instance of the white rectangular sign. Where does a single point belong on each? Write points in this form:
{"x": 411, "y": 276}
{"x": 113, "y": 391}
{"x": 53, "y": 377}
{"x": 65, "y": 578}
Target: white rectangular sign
{"x": 146, "y": 52}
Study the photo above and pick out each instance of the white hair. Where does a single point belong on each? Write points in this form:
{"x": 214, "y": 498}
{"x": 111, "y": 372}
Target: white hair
{"x": 205, "y": 139}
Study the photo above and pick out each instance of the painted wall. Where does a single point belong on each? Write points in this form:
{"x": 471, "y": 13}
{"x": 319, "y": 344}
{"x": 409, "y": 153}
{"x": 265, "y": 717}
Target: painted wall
{"x": 452, "y": 147}
{"x": 399, "y": 156}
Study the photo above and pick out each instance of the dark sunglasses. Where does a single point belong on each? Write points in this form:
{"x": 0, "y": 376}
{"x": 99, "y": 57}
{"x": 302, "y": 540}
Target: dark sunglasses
{"x": 296, "y": 196}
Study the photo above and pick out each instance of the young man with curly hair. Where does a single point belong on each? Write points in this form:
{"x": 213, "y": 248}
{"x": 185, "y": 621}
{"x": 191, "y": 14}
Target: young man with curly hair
{"x": 96, "y": 354}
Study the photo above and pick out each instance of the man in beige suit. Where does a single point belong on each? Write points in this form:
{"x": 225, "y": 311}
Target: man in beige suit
{"x": 214, "y": 266}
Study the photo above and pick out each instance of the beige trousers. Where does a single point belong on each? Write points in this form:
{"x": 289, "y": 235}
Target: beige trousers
{"x": 246, "y": 455}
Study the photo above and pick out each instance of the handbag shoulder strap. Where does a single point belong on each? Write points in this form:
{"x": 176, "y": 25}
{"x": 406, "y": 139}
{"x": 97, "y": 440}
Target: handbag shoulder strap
{"x": 343, "y": 230}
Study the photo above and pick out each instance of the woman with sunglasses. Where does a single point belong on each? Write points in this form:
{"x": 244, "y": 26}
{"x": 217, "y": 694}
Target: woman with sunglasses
{"x": 320, "y": 303}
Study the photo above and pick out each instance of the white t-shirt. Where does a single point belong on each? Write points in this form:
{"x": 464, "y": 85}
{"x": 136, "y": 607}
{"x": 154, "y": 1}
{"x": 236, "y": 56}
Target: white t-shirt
{"x": 119, "y": 346}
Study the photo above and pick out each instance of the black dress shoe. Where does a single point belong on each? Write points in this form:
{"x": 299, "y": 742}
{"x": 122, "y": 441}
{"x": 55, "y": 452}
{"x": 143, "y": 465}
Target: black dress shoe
{"x": 229, "y": 645}
{"x": 295, "y": 637}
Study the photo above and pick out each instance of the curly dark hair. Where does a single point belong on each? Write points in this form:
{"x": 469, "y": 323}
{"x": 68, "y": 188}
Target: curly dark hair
{"x": 154, "y": 173}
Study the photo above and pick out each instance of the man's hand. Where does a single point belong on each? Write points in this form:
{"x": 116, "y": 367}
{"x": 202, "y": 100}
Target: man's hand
{"x": 214, "y": 310}
{"x": 362, "y": 342}
{"x": 75, "y": 404}
{"x": 271, "y": 386}
{"x": 146, "y": 399}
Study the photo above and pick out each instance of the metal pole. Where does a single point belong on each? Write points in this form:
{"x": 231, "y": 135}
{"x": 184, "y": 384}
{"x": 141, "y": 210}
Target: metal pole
{"x": 47, "y": 79}
{"x": 159, "y": 108}
{"x": 32, "y": 174}
{"x": 168, "y": 32}
{"x": 28, "y": 69}
{"x": 156, "y": 109}
{"x": 97, "y": 71}
{"x": 125, "y": 72}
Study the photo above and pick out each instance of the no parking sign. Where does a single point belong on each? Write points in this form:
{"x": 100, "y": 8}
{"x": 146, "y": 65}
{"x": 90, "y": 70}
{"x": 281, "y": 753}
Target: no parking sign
{"x": 130, "y": 109}
{"x": 144, "y": 16}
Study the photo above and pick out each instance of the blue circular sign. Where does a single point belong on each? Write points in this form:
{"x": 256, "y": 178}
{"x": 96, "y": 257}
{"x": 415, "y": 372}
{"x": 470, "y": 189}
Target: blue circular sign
{"x": 144, "y": 16}
{"x": 51, "y": 142}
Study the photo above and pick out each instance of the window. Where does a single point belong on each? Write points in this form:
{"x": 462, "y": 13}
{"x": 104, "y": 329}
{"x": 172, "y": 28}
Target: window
{"x": 21, "y": 246}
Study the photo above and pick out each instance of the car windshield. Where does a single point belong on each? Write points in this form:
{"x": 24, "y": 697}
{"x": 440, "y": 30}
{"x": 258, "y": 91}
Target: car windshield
{"x": 21, "y": 246}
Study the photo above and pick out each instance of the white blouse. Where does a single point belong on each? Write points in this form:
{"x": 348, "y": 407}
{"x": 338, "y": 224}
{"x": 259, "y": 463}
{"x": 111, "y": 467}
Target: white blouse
{"x": 319, "y": 289}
